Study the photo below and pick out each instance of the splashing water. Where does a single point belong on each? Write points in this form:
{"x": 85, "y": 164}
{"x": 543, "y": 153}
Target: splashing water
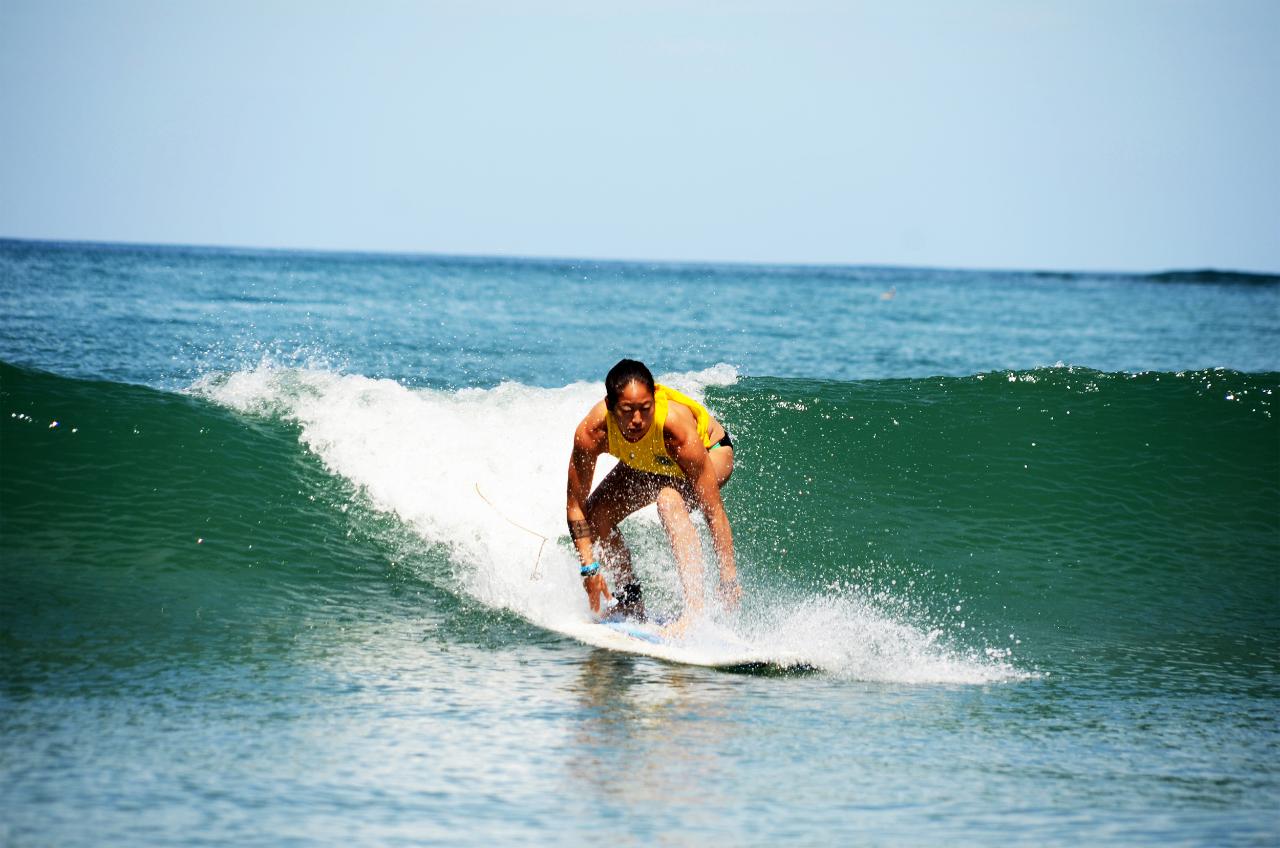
{"x": 481, "y": 472}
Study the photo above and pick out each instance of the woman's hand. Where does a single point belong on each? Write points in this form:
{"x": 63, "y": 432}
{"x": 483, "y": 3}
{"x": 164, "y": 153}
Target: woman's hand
{"x": 597, "y": 592}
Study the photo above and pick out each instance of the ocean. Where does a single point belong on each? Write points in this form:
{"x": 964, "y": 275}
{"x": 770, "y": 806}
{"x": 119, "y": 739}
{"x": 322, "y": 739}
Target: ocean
{"x": 272, "y": 569}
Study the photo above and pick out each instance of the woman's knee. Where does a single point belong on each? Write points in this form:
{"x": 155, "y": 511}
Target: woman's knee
{"x": 671, "y": 504}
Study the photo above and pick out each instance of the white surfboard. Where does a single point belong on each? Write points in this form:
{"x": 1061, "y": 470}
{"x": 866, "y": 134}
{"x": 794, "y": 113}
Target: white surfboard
{"x": 709, "y": 649}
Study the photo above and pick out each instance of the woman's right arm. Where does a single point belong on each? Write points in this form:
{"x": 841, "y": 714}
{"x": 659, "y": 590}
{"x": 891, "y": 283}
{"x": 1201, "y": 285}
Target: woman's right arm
{"x": 582, "y": 469}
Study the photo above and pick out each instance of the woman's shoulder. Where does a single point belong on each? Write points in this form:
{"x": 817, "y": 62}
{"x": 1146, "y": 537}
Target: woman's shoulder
{"x": 593, "y": 431}
{"x": 680, "y": 420}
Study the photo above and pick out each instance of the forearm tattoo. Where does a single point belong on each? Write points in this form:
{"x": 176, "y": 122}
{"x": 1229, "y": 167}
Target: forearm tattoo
{"x": 579, "y": 529}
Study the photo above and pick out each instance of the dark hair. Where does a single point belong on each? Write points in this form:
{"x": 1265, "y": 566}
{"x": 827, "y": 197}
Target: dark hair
{"x": 619, "y": 375}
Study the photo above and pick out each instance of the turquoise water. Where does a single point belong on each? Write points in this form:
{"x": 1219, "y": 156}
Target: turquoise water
{"x": 1024, "y": 527}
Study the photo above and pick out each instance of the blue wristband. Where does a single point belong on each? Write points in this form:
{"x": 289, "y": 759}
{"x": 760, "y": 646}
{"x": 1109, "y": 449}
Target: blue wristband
{"x": 589, "y": 570}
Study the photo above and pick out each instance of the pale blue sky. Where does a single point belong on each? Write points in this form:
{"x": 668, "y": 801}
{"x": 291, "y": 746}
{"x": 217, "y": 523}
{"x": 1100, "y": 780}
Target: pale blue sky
{"x": 1138, "y": 135}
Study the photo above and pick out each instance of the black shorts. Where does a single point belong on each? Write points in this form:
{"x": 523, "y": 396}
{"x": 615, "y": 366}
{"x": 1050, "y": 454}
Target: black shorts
{"x": 646, "y": 484}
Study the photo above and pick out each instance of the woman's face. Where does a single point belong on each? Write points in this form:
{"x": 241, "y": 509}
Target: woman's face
{"x": 634, "y": 410}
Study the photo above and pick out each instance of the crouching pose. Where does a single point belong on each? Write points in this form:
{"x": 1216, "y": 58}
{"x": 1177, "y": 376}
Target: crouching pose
{"x": 670, "y": 452}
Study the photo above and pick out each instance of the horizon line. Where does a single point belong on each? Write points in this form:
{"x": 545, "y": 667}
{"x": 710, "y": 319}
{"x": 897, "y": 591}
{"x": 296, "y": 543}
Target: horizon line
{"x": 559, "y": 259}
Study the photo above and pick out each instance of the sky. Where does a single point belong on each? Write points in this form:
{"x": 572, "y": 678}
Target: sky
{"x": 1125, "y": 135}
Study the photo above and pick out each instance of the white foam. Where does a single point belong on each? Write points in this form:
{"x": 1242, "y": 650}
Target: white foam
{"x": 422, "y": 454}
{"x": 482, "y": 472}
{"x": 847, "y": 635}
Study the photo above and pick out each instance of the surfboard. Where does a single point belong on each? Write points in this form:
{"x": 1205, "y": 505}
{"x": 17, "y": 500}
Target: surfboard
{"x": 709, "y": 649}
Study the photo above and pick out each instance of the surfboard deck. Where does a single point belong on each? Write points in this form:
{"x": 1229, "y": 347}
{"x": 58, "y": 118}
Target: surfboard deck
{"x": 719, "y": 651}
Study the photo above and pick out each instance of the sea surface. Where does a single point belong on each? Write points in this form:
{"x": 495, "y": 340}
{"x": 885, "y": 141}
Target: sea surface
{"x": 272, "y": 568}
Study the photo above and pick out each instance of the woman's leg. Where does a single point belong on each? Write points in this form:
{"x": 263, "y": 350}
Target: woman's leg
{"x": 619, "y": 494}
{"x": 673, "y": 509}
{"x": 676, "y": 503}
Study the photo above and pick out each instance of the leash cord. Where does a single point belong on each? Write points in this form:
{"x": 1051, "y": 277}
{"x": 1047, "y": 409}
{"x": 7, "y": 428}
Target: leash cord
{"x": 536, "y": 575}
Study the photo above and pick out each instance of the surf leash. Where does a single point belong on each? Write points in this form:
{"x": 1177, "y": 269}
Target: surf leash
{"x": 536, "y": 575}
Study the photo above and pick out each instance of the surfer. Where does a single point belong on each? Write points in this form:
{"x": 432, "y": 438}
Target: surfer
{"x": 670, "y": 452}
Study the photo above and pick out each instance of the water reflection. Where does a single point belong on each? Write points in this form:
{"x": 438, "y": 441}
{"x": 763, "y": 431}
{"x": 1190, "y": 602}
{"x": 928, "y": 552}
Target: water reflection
{"x": 666, "y": 728}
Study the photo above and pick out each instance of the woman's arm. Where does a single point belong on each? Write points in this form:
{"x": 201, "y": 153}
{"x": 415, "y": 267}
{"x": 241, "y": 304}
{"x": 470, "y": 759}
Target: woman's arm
{"x": 582, "y": 469}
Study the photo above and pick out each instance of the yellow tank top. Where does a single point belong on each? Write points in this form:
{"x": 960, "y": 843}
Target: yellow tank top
{"x": 650, "y": 453}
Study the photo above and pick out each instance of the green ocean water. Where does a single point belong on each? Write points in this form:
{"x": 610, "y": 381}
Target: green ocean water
{"x": 161, "y": 546}
{"x": 250, "y": 594}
